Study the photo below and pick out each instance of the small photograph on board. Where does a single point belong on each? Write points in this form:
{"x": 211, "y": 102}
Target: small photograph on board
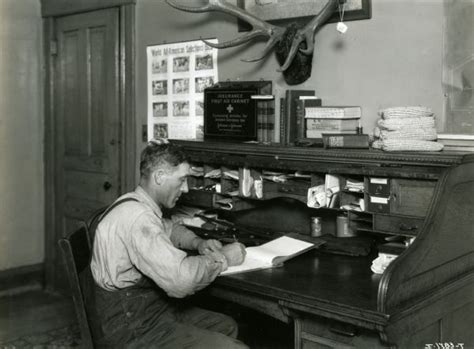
{"x": 199, "y": 108}
{"x": 160, "y": 109}
{"x": 204, "y": 62}
{"x": 203, "y": 82}
{"x": 180, "y": 86}
{"x": 159, "y": 87}
{"x": 160, "y": 131}
{"x": 159, "y": 66}
{"x": 181, "y": 108}
{"x": 180, "y": 64}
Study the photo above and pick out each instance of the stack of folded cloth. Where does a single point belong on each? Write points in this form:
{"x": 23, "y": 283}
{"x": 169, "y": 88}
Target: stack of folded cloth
{"x": 406, "y": 129}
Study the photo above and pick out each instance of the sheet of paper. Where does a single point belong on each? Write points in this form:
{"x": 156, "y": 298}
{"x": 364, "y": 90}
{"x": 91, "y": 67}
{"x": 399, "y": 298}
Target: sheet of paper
{"x": 283, "y": 246}
{"x": 248, "y": 265}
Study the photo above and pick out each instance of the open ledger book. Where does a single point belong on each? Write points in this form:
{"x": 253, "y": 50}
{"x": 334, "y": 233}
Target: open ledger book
{"x": 270, "y": 254}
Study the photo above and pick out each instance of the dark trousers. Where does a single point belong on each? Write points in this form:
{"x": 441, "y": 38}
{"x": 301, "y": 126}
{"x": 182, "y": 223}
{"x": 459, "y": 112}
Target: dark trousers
{"x": 142, "y": 316}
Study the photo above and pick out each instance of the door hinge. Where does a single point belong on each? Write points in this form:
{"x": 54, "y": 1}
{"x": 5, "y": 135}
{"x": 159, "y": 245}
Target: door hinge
{"x": 53, "y": 47}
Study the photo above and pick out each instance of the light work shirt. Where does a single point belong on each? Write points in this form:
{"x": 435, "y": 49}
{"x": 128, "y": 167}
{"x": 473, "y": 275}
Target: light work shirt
{"x": 134, "y": 240}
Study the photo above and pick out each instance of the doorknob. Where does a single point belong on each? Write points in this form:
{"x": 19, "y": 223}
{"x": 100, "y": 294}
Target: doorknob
{"x": 107, "y": 186}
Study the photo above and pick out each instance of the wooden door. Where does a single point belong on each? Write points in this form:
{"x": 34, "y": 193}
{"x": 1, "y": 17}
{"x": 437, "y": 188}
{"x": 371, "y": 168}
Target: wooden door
{"x": 87, "y": 119}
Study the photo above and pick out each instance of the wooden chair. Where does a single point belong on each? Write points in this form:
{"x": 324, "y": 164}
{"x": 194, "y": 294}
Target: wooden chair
{"x": 76, "y": 250}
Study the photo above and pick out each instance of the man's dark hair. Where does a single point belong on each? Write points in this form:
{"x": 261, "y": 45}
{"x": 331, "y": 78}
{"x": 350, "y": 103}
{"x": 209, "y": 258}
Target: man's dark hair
{"x": 160, "y": 155}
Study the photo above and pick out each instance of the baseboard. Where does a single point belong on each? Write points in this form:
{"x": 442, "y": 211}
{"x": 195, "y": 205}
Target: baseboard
{"x": 21, "y": 279}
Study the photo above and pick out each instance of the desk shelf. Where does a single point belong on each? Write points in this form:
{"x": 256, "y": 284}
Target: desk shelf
{"x": 384, "y": 197}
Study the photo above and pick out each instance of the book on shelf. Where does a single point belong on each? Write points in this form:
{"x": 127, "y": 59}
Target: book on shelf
{"x": 345, "y": 140}
{"x": 270, "y": 124}
{"x": 301, "y": 103}
{"x": 291, "y": 99}
{"x": 271, "y": 254}
{"x": 333, "y": 112}
{"x": 319, "y": 133}
{"x": 282, "y": 130}
{"x": 332, "y": 124}
{"x": 265, "y": 117}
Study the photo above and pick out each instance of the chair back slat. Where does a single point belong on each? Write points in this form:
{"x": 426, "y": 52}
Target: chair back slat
{"x": 80, "y": 248}
{"x": 76, "y": 251}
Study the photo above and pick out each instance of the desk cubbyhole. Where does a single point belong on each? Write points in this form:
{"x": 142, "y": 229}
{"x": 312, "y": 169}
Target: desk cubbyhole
{"x": 229, "y": 181}
{"x": 251, "y": 183}
{"x": 351, "y": 197}
{"x": 286, "y": 184}
{"x": 360, "y": 221}
{"x": 353, "y": 184}
{"x": 212, "y": 178}
{"x": 349, "y": 201}
{"x": 196, "y": 179}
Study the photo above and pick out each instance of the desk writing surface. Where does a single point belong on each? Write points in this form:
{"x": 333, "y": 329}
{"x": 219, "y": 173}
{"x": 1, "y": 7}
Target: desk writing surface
{"x": 315, "y": 277}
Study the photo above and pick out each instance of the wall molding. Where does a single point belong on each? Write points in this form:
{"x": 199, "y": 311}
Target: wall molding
{"x": 20, "y": 279}
{"x": 51, "y": 8}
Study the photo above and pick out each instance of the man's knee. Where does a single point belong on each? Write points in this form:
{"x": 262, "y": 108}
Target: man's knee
{"x": 185, "y": 336}
{"x": 229, "y": 326}
{"x": 221, "y": 323}
{"x": 219, "y": 340}
{"x": 210, "y": 320}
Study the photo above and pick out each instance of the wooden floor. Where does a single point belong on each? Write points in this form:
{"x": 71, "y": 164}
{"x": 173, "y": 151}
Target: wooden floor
{"x": 33, "y": 312}
{"x": 37, "y": 311}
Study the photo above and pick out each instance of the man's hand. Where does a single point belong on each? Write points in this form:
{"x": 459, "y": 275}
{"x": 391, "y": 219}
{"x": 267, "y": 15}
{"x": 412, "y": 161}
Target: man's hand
{"x": 219, "y": 258}
{"x": 208, "y": 246}
{"x": 234, "y": 253}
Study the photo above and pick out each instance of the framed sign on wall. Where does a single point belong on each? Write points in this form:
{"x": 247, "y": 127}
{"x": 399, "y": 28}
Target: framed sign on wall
{"x": 177, "y": 74}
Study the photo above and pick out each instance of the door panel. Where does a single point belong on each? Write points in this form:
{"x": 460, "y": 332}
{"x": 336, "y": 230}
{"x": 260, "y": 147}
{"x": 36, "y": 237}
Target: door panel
{"x": 87, "y": 118}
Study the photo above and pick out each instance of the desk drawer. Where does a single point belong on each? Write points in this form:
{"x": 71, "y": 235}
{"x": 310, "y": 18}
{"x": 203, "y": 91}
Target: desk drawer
{"x": 378, "y": 186}
{"x": 398, "y": 224}
{"x": 378, "y": 204}
{"x": 411, "y": 197}
{"x": 317, "y": 332}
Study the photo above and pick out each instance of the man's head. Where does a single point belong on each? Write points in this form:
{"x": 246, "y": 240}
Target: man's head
{"x": 164, "y": 169}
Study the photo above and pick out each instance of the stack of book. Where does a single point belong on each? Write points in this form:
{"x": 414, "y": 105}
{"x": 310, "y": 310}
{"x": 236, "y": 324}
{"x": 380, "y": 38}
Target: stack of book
{"x": 321, "y": 120}
{"x": 290, "y": 115}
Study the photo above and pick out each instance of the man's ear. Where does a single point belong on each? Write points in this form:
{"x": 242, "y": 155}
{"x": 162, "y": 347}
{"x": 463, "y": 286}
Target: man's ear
{"x": 158, "y": 176}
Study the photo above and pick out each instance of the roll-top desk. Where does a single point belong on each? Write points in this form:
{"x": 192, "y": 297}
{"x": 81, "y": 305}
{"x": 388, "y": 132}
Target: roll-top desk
{"x": 424, "y": 297}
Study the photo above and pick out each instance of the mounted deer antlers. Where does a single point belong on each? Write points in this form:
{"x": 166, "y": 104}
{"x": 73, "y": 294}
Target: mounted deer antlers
{"x": 294, "y": 46}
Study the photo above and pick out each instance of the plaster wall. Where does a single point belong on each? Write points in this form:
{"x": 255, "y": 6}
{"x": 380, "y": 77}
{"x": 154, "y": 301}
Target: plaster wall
{"x": 393, "y": 59}
{"x": 21, "y": 135}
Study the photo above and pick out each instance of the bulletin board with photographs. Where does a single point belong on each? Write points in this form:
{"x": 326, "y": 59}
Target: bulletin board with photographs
{"x": 177, "y": 75}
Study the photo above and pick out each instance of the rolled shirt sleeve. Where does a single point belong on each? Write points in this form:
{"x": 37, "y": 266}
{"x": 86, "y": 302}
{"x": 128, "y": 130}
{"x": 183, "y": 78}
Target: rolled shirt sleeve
{"x": 180, "y": 236}
{"x": 153, "y": 251}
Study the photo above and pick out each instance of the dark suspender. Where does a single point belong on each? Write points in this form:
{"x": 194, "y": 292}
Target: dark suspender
{"x": 94, "y": 221}
{"x": 111, "y": 207}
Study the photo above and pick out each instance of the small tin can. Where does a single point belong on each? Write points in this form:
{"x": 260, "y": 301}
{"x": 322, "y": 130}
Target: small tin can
{"x": 316, "y": 229}
{"x": 342, "y": 227}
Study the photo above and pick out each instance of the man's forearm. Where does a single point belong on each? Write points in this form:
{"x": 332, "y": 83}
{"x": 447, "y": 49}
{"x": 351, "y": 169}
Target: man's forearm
{"x": 183, "y": 238}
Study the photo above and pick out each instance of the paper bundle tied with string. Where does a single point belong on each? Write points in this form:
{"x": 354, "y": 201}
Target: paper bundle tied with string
{"x": 409, "y": 128}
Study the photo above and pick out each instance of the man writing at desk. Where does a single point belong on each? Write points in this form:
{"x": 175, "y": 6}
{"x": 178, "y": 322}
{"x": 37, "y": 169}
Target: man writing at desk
{"x": 139, "y": 267}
